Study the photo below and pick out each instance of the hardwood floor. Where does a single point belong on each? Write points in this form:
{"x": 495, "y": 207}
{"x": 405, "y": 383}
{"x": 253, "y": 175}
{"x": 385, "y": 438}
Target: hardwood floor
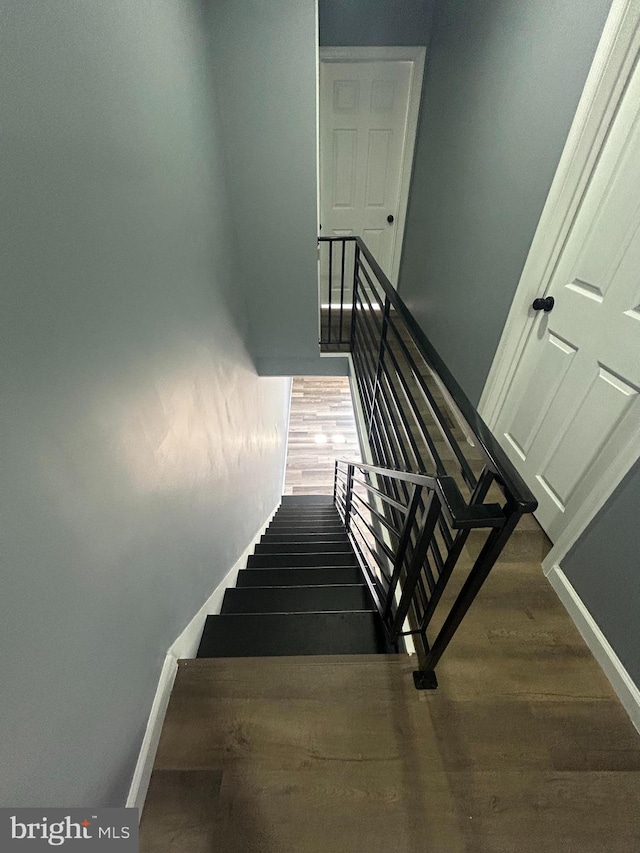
{"x": 524, "y": 747}
{"x": 320, "y": 406}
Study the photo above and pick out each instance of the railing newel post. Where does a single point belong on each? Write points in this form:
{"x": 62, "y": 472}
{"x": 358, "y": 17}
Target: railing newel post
{"x": 485, "y": 561}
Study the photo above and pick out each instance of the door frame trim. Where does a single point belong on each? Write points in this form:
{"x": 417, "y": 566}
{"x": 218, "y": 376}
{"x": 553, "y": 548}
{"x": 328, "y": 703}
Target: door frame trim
{"x": 612, "y": 66}
{"x": 417, "y": 56}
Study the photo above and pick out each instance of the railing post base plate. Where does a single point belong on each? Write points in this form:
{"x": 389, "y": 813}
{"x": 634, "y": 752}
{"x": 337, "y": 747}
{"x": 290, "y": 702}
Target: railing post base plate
{"x": 425, "y": 680}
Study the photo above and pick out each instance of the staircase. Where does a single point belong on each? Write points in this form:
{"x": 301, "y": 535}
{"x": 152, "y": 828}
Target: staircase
{"x": 302, "y": 592}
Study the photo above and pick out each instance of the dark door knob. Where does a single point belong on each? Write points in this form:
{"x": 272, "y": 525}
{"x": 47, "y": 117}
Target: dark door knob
{"x": 390, "y": 218}
{"x": 543, "y": 303}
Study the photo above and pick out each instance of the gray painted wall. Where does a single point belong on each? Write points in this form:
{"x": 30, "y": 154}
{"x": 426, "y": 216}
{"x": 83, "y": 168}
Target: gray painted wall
{"x": 264, "y": 61}
{"x": 501, "y": 87}
{"x": 139, "y": 450}
{"x": 349, "y": 23}
{"x": 604, "y": 568}
{"x": 502, "y": 84}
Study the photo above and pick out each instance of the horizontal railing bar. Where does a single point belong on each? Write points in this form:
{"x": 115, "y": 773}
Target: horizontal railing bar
{"x": 426, "y": 571}
{"x": 372, "y": 312}
{"x": 371, "y": 550}
{"x": 388, "y": 438}
{"x": 373, "y": 582}
{"x": 436, "y": 413}
{"x": 437, "y": 556}
{"x": 395, "y": 504}
{"x": 431, "y": 448}
{"x": 391, "y": 395}
{"x": 365, "y": 387}
{"x": 374, "y": 291}
{"x": 374, "y": 512}
{"x": 496, "y": 457}
{"x": 376, "y": 535}
{"x": 406, "y": 476}
{"x": 392, "y": 428}
{"x": 360, "y": 337}
{"x": 409, "y": 521}
{"x": 378, "y": 515}
{"x": 458, "y": 513}
{"x": 500, "y": 462}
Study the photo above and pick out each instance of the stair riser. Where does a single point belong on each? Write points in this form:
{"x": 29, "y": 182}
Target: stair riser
{"x": 305, "y": 599}
{"x": 307, "y": 519}
{"x": 306, "y": 500}
{"x": 323, "y": 527}
{"x": 283, "y": 519}
{"x": 233, "y": 635}
{"x": 305, "y": 537}
{"x": 297, "y": 577}
{"x": 295, "y": 513}
{"x": 299, "y": 560}
{"x": 310, "y": 510}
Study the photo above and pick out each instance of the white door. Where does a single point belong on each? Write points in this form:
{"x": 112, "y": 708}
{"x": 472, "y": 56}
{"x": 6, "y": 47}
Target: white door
{"x": 574, "y": 404}
{"x": 368, "y": 117}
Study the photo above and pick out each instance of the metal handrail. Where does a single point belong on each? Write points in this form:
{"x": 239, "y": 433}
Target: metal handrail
{"x": 498, "y": 460}
{"x": 410, "y": 528}
{"x": 460, "y": 515}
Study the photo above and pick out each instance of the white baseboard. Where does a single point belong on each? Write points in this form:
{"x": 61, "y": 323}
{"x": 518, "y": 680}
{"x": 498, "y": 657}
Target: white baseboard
{"x": 185, "y": 646}
{"x": 146, "y": 757}
{"x": 602, "y": 650}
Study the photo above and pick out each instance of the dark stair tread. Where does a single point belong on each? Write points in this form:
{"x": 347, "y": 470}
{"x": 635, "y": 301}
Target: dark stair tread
{"x": 312, "y": 515}
{"x": 298, "y": 577}
{"x": 234, "y": 635}
{"x": 308, "y": 510}
{"x": 307, "y": 500}
{"x": 303, "y": 547}
{"x": 296, "y": 599}
{"x": 288, "y": 527}
{"x": 337, "y": 538}
{"x": 290, "y": 518}
{"x": 306, "y": 522}
{"x": 296, "y": 561}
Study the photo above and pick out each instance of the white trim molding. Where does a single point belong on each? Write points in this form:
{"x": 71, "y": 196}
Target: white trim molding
{"x": 416, "y": 56}
{"x": 147, "y": 754}
{"x": 610, "y": 72}
{"x": 611, "y": 479}
{"x": 612, "y": 66}
{"x": 624, "y": 686}
{"x": 185, "y": 646}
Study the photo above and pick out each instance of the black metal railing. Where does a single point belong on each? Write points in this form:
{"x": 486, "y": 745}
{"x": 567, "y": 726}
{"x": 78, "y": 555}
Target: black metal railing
{"x": 441, "y": 494}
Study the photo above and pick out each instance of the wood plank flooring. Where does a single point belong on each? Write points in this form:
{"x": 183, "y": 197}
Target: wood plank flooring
{"x": 523, "y": 748}
{"x": 320, "y": 406}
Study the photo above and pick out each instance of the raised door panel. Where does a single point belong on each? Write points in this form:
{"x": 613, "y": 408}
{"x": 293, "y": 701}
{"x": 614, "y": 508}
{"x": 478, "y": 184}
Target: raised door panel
{"x": 573, "y": 405}
{"x": 343, "y": 173}
{"x": 553, "y": 364}
{"x": 607, "y": 401}
{"x": 364, "y": 109}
